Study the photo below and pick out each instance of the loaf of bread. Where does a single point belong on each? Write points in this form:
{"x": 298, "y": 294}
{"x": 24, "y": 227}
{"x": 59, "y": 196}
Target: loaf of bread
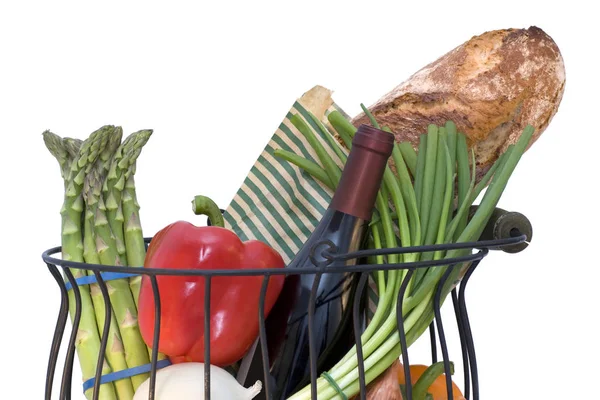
{"x": 491, "y": 86}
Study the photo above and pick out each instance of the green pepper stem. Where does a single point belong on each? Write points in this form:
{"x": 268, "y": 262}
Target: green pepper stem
{"x": 427, "y": 378}
{"x": 202, "y": 205}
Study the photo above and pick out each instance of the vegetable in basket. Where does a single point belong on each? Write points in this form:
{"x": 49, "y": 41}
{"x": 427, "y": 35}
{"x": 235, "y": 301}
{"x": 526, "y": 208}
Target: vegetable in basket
{"x": 234, "y": 300}
{"x": 423, "y": 203}
{"x": 75, "y": 158}
{"x": 186, "y": 382}
{"x": 428, "y": 383}
{"x": 385, "y": 386}
{"x": 429, "y": 379}
{"x": 324, "y": 295}
{"x": 95, "y": 223}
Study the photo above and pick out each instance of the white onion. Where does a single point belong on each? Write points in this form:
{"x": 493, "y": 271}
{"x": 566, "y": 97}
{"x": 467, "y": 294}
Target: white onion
{"x": 185, "y": 381}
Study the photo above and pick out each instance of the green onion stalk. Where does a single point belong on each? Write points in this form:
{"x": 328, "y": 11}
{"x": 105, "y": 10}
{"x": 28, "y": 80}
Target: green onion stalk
{"x": 76, "y": 159}
{"x": 422, "y": 191}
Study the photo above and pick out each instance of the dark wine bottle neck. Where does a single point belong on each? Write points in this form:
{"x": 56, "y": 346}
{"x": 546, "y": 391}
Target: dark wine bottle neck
{"x": 363, "y": 172}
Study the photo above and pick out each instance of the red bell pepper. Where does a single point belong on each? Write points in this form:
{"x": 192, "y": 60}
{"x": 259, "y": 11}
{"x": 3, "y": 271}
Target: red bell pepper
{"x": 233, "y": 300}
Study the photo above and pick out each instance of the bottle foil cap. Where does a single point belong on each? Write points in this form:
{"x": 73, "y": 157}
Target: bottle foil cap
{"x": 363, "y": 172}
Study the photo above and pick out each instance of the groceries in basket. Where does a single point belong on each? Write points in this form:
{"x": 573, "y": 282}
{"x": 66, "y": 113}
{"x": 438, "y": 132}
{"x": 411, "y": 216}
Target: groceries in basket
{"x": 276, "y": 294}
{"x": 186, "y": 382}
{"x": 233, "y": 299}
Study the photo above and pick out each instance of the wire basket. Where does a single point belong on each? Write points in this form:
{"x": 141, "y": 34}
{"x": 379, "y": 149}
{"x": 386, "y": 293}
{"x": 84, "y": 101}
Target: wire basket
{"x": 501, "y": 233}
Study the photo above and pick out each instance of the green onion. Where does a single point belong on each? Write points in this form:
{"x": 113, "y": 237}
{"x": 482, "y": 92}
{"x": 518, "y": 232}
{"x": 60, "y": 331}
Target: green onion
{"x": 487, "y": 177}
{"x": 428, "y": 177}
{"x": 420, "y": 173}
{"x": 410, "y": 156}
{"x": 452, "y": 138}
{"x": 408, "y": 193}
{"x": 342, "y": 126}
{"x": 437, "y": 189}
{"x": 333, "y": 171}
{"x": 490, "y": 199}
{"x": 332, "y": 142}
{"x": 448, "y": 194}
{"x": 370, "y": 116}
{"x": 437, "y": 177}
{"x": 310, "y": 167}
{"x": 462, "y": 156}
{"x": 467, "y": 202}
{"x": 426, "y": 205}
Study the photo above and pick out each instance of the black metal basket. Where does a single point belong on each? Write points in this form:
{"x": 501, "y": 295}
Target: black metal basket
{"x": 505, "y": 237}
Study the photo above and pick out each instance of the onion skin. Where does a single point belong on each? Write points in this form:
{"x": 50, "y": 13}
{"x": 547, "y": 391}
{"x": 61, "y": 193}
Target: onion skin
{"x": 185, "y": 381}
{"x": 386, "y": 386}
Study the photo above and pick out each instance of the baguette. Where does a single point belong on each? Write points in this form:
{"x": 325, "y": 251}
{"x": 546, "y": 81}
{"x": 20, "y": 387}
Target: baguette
{"x": 491, "y": 86}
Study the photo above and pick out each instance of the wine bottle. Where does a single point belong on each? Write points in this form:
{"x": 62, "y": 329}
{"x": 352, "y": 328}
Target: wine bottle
{"x": 341, "y": 229}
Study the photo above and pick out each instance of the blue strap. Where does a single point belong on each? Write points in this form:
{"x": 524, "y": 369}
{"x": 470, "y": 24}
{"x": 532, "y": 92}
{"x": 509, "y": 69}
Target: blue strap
{"x": 125, "y": 373}
{"x": 107, "y": 276}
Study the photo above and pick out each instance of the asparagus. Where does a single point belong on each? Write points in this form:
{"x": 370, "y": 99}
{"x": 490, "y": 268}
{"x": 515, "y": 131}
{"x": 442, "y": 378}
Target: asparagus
{"x": 108, "y": 227}
{"x": 72, "y": 146}
{"x": 91, "y": 192}
{"x": 75, "y": 159}
{"x": 134, "y": 239}
{"x": 55, "y": 145}
{"x": 124, "y": 158}
{"x": 122, "y": 167}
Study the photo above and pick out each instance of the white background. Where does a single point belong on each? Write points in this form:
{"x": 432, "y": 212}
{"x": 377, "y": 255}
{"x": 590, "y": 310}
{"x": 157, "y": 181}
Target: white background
{"x": 215, "y": 79}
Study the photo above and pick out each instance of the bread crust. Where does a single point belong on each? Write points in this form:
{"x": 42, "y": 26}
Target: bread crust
{"x": 491, "y": 86}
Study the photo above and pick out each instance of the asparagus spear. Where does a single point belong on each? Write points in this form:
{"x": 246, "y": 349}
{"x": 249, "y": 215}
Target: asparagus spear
{"x": 106, "y": 217}
{"x": 113, "y": 187}
{"x": 92, "y": 190}
{"x": 55, "y": 145}
{"x": 134, "y": 238}
{"x": 74, "y": 162}
{"x": 122, "y": 166}
{"x": 72, "y": 146}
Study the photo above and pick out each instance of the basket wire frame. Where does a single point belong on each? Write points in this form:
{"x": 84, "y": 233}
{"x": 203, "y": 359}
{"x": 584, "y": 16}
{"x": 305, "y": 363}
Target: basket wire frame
{"x": 436, "y": 328}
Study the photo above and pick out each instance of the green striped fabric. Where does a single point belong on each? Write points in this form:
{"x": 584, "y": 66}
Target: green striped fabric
{"x": 280, "y": 204}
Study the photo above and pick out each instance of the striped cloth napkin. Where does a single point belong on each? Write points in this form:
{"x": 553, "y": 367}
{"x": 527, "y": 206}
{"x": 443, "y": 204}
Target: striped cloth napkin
{"x": 280, "y": 204}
